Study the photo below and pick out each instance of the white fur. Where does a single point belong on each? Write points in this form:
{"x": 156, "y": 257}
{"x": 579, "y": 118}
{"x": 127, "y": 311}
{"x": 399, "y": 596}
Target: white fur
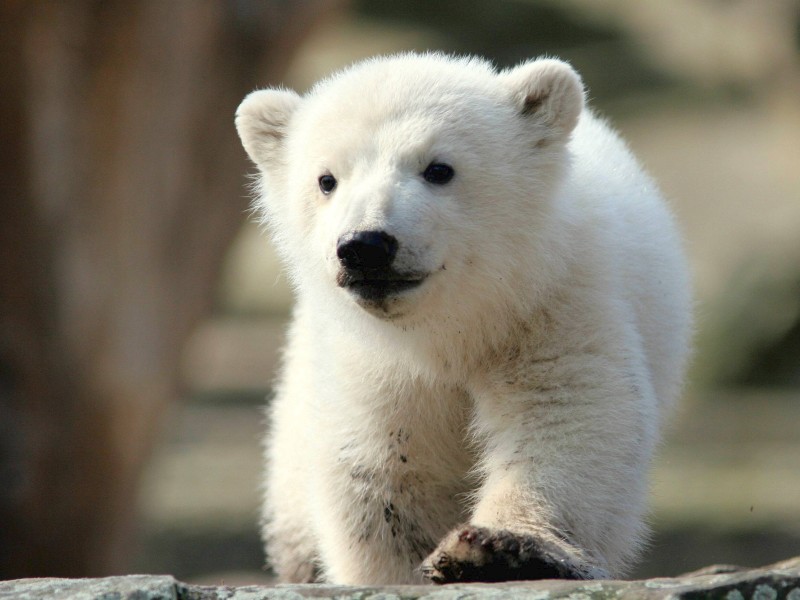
{"x": 522, "y": 386}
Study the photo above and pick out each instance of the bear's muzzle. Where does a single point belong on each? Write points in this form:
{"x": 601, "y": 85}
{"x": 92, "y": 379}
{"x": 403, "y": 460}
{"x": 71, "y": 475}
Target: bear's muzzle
{"x": 366, "y": 259}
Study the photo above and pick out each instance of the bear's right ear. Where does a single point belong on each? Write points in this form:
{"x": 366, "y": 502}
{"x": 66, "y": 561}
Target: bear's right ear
{"x": 262, "y": 119}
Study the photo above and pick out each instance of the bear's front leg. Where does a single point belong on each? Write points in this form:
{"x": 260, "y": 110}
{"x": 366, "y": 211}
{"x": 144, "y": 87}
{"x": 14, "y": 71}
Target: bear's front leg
{"x": 389, "y": 472}
{"x": 564, "y": 475}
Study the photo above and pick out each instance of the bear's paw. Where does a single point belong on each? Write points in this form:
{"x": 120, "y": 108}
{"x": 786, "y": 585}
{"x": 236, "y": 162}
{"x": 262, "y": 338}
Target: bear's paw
{"x": 481, "y": 554}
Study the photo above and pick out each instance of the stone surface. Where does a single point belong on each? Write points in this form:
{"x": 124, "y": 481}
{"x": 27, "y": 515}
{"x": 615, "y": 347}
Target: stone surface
{"x": 129, "y": 587}
{"x": 780, "y": 581}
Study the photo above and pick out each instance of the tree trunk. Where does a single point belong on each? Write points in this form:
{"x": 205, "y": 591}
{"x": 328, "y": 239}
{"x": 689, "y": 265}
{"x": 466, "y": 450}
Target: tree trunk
{"x": 122, "y": 186}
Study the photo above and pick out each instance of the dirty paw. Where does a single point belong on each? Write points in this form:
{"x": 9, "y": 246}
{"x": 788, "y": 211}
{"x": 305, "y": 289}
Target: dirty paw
{"x": 481, "y": 554}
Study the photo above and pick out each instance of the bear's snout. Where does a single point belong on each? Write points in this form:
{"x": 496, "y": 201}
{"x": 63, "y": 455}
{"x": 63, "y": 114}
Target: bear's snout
{"x": 366, "y": 250}
{"x": 366, "y": 258}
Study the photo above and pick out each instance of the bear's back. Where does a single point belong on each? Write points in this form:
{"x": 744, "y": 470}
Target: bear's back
{"x": 636, "y": 245}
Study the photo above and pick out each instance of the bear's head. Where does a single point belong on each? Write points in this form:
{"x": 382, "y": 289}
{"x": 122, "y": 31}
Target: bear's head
{"x": 415, "y": 184}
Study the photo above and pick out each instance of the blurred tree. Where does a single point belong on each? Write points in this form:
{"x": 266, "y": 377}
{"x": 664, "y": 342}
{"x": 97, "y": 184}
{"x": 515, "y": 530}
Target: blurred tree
{"x": 121, "y": 189}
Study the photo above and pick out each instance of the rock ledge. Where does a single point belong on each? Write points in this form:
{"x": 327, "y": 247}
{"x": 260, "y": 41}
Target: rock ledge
{"x": 780, "y": 581}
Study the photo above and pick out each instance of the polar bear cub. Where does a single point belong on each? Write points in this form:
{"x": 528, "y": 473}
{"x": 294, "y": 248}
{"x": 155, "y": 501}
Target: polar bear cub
{"x": 492, "y": 319}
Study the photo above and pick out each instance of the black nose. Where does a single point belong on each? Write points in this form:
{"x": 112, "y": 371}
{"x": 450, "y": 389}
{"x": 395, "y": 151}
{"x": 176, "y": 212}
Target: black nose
{"x": 359, "y": 250}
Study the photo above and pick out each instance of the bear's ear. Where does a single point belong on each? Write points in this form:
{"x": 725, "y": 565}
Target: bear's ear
{"x": 262, "y": 119}
{"x": 548, "y": 90}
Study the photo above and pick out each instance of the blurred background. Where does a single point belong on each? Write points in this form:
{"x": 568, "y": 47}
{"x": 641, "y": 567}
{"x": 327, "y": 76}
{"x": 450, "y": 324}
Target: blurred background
{"x": 142, "y": 311}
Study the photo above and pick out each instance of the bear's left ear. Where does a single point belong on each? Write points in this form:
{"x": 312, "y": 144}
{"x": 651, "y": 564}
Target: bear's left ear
{"x": 548, "y": 90}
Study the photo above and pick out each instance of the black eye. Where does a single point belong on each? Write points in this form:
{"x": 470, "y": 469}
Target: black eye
{"x": 327, "y": 183}
{"x": 438, "y": 173}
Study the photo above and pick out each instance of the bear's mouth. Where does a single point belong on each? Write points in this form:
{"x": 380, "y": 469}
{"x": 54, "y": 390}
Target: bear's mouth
{"x": 378, "y": 286}
{"x": 377, "y": 289}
